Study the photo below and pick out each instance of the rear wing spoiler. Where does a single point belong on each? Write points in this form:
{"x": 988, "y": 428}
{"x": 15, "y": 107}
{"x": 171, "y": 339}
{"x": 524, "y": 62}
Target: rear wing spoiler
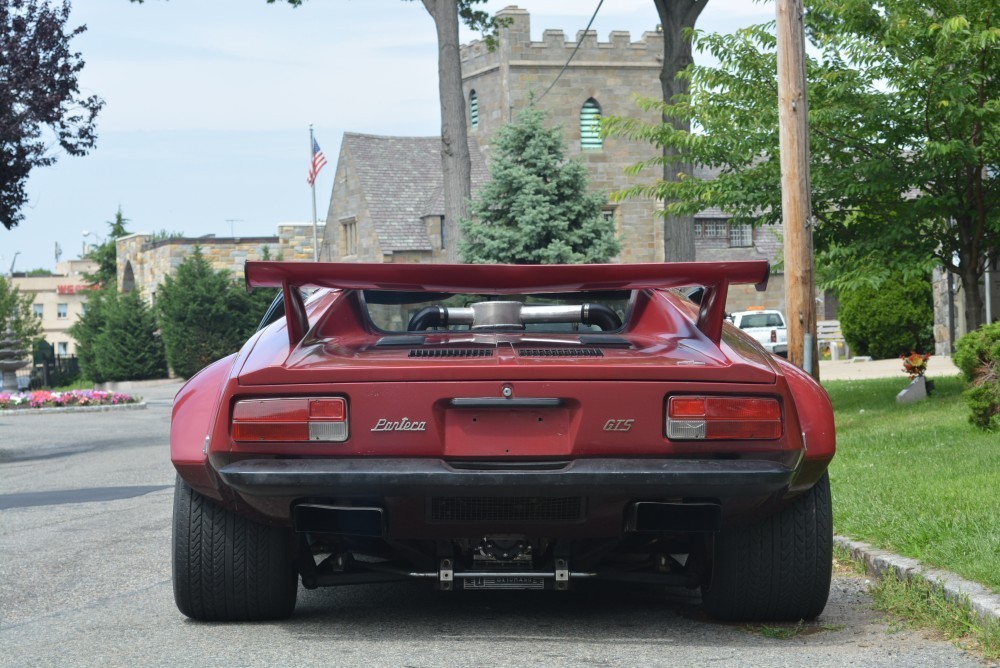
{"x": 500, "y": 279}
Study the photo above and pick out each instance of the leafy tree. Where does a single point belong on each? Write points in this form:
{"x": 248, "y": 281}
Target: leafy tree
{"x": 17, "y": 311}
{"x": 894, "y": 319}
{"x": 40, "y": 101}
{"x": 204, "y": 315}
{"x": 905, "y": 137}
{"x": 536, "y": 208}
{"x": 128, "y": 346}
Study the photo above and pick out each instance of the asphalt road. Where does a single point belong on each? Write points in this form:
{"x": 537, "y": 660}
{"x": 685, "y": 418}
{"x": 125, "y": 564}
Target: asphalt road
{"x": 85, "y": 503}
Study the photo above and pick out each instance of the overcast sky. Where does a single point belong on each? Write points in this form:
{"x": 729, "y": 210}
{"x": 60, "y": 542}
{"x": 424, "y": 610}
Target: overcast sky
{"x": 208, "y": 106}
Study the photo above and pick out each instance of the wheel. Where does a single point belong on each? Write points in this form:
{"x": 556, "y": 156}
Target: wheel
{"x": 226, "y": 567}
{"x": 777, "y": 569}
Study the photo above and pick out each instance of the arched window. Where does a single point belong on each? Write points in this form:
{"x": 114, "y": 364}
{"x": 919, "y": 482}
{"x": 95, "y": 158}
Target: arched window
{"x": 473, "y": 109}
{"x": 128, "y": 278}
{"x": 590, "y": 126}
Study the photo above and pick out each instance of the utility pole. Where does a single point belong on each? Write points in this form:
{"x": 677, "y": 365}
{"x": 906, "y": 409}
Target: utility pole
{"x": 796, "y": 208}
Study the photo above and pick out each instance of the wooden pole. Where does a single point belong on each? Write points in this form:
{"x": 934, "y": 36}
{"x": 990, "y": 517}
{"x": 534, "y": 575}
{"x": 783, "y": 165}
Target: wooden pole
{"x": 796, "y": 211}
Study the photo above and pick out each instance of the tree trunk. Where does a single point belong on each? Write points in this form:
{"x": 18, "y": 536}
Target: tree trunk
{"x": 675, "y": 16}
{"x": 456, "y": 165}
{"x": 970, "y": 274}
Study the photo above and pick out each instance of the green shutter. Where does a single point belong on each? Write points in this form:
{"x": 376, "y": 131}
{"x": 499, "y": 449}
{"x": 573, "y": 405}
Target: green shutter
{"x": 473, "y": 110}
{"x": 590, "y": 125}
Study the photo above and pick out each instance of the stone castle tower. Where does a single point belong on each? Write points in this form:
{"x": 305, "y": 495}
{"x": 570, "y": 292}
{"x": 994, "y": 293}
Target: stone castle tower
{"x": 603, "y": 79}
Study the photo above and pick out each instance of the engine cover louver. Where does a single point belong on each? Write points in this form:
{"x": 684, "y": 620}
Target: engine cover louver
{"x": 561, "y": 352}
{"x": 452, "y": 352}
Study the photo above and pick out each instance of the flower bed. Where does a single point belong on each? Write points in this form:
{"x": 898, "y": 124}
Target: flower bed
{"x": 46, "y": 399}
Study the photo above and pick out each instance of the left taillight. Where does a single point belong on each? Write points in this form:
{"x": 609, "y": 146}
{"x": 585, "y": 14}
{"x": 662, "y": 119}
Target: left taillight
{"x": 320, "y": 419}
{"x": 719, "y": 417}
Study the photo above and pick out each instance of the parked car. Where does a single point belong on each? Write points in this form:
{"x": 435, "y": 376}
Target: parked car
{"x": 767, "y": 327}
{"x": 501, "y": 427}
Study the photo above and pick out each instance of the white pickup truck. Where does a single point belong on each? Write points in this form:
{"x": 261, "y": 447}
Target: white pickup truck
{"x": 768, "y": 327}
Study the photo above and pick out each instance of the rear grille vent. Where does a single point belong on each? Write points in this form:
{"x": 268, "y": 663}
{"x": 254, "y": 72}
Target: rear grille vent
{"x": 506, "y": 509}
{"x": 452, "y": 352}
{"x": 561, "y": 352}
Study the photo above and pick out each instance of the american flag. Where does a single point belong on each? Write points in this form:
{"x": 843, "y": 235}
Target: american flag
{"x": 317, "y": 163}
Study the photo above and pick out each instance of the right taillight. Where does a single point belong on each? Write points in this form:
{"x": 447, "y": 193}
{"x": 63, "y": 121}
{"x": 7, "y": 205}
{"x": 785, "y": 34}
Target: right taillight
{"x": 321, "y": 419}
{"x": 774, "y": 336}
{"x": 717, "y": 417}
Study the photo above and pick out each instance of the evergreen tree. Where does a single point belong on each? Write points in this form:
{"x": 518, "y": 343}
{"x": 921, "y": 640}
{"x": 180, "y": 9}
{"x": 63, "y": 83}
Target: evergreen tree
{"x": 128, "y": 346}
{"x": 87, "y": 329}
{"x": 205, "y": 315}
{"x": 106, "y": 254}
{"x": 536, "y": 208}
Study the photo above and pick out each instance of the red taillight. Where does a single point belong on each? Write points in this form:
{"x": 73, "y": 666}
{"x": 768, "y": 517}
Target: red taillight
{"x": 730, "y": 418}
{"x": 774, "y": 336}
{"x": 291, "y": 419}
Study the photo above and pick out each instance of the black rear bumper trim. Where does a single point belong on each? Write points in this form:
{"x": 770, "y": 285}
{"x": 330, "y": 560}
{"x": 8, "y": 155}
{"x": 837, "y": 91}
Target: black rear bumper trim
{"x": 423, "y": 477}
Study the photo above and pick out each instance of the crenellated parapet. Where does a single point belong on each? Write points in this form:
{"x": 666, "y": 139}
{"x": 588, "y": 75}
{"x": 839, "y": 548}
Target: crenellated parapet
{"x": 515, "y": 44}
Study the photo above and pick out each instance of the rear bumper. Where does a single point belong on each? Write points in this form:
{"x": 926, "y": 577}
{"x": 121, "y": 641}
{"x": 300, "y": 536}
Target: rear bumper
{"x": 424, "y": 477}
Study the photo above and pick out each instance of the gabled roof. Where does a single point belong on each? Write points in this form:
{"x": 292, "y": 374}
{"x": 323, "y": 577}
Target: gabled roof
{"x": 401, "y": 180}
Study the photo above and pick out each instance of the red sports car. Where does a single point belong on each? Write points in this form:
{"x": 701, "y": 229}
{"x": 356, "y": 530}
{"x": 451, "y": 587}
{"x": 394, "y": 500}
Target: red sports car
{"x": 502, "y": 427}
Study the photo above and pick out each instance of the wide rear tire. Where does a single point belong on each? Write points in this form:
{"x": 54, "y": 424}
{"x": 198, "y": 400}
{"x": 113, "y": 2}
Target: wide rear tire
{"x": 226, "y": 567}
{"x": 777, "y": 569}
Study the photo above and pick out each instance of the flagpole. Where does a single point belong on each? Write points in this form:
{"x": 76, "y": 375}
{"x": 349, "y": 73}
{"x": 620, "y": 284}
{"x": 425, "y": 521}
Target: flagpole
{"x": 313, "y": 187}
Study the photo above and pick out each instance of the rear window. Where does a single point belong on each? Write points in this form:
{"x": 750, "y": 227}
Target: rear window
{"x": 760, "y": 320}
{"x": 392, "y": 311}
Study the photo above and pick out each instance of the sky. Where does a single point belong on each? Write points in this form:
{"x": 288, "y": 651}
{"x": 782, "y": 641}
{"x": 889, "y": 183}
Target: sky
{"x": 208, "y": 106}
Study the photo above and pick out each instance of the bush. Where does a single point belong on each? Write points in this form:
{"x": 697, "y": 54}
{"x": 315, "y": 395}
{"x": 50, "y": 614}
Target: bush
{"x": 978, "y": 356}
{"x": 893, "y": 319}
{"x": 205, "y": 315}
{"x": 117, "y": 339}
{"x": 128, "y": 347}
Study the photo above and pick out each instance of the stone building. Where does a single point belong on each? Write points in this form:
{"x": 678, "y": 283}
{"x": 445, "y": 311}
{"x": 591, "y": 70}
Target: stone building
{"x": 144, "y": 261}
{"x": 949, "y": 306}
{"x": 387, "y": 205}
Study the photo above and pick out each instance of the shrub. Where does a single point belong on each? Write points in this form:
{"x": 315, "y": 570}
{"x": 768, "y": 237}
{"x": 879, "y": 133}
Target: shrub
{"x": 893, "y": 319}
{"x": 978, "y": 356}
{"x": 129, "y": 347}
{"x": 205, "y": 315}
{"x": 117, "y": 339}
{"x": 536, "y": 208}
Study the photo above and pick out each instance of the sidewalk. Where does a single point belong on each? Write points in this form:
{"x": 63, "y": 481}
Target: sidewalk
{"x": 890, "y": 368}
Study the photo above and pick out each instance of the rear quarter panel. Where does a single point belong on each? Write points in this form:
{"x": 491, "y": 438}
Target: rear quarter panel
{"x": 195, "y": 414}
{"x": 815, "y": 413}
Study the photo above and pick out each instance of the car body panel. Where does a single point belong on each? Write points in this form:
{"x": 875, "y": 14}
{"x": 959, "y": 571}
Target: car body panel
{"x": 459, "y": 434}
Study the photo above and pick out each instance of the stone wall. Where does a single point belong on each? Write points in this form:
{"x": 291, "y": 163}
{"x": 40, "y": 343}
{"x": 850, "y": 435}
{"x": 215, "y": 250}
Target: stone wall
{"x": 143, "y": 263}
{"x": 348, "y": 206}
{"x": 943, "y": 325}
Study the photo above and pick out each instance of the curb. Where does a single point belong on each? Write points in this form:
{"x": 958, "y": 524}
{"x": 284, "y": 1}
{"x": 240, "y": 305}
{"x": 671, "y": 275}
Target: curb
{"x": 983, "y": 602}
{"x": 73, "y": 409}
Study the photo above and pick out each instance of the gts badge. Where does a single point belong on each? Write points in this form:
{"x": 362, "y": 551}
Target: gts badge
{"x": 399, "y": 425}
{"x": 619, "y": 425}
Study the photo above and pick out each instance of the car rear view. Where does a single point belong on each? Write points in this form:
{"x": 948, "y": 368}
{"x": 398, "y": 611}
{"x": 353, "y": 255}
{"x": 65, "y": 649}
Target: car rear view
{"x": 502, "y": 427}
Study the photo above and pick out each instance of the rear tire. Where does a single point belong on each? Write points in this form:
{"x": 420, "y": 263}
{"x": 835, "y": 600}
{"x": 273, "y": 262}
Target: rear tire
{"x": 777, "y": 569}
{"x": 229, "y": 568}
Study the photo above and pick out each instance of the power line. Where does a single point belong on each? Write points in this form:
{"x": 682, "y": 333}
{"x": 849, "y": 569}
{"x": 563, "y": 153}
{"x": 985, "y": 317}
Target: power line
{"x": 579, "y": 42}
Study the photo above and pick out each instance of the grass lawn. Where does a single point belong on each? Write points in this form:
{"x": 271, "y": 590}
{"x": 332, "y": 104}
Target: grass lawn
{"x": 917, "y": 479}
